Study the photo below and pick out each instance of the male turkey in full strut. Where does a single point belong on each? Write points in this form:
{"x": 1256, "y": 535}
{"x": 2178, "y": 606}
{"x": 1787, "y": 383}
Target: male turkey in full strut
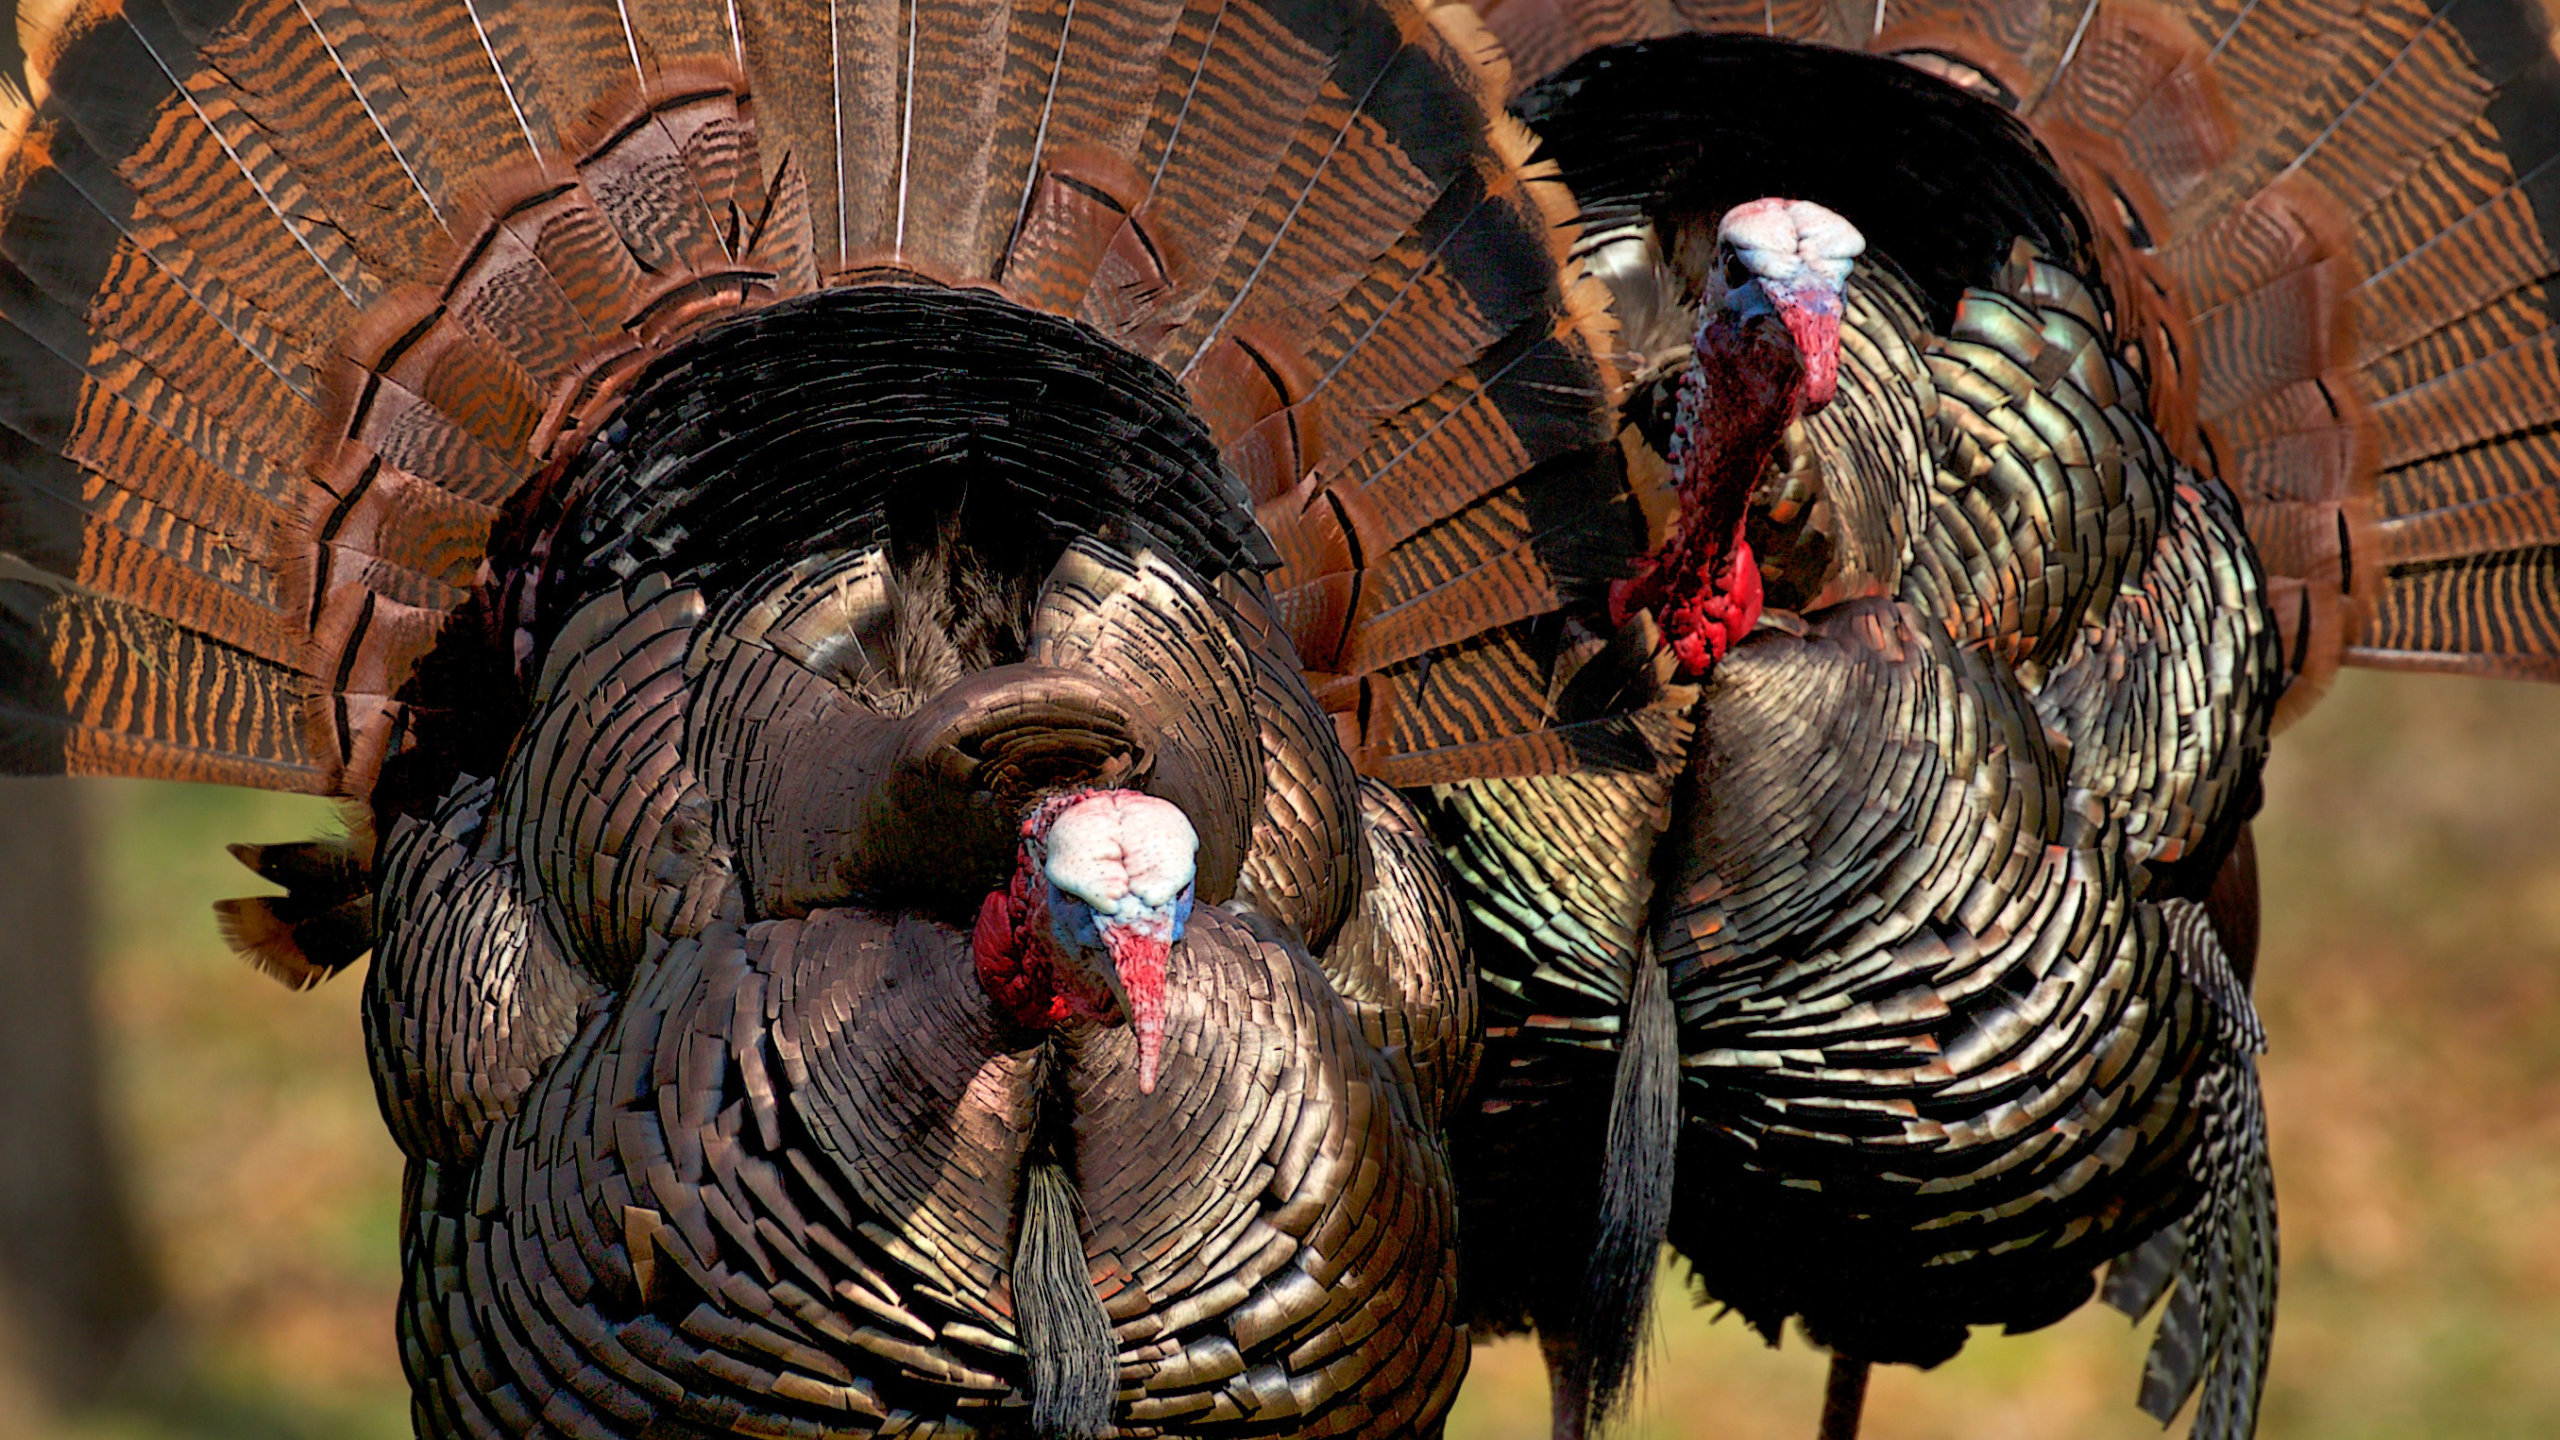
{"x": 2063, "y": 393}
{"x": 866, "y": 573}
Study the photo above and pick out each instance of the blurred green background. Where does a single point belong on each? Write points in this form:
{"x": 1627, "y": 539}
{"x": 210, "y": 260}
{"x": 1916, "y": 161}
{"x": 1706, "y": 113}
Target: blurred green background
{"x": 2410, "y": 981}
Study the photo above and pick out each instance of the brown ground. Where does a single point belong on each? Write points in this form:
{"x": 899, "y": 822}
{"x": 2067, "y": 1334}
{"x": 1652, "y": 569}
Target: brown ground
{"x": 2411, "y": 983}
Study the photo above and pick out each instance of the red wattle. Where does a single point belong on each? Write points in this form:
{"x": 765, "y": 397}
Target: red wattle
{"x": 1720, "y": 608}
{"x": 996, "y": 945}
{"x": 1640, "y": 591}
{"x": 1742, "y": 594}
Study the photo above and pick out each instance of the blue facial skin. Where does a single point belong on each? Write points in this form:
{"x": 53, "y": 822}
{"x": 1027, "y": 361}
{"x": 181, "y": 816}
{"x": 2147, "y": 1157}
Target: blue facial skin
{"x": 1763, "y": 296}
{"x": 1078, "y": 931}
{"x": 1749, "y": 300}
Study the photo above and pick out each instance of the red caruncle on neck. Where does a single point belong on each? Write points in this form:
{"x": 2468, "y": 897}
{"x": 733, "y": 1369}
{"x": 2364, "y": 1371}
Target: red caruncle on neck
{"x": 1745, "y": 386}
{"x": 1018, "y": 965}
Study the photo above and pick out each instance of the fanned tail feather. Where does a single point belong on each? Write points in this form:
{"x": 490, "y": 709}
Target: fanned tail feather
{"x": 300, "y": 299}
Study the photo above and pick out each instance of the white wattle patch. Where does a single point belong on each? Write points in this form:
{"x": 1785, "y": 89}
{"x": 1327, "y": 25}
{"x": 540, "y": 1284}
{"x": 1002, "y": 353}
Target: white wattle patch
{"x": 1790, "y": 242}
{"x": 1122, "y": 849}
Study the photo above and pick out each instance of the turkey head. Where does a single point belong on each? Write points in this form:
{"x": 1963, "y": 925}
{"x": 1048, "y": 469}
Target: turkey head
{"x": 1088, "y": 923}
{"x": 1791, "y": 259}
{"x": 1766, "y": 352}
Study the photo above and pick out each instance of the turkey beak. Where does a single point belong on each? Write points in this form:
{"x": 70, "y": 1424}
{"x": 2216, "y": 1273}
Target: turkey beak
{"x": 1140, "y": 949}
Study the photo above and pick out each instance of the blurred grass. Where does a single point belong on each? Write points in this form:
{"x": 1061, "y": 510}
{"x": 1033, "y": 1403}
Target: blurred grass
{"x": 266, "y": 1187}
{"x": 2410, "y": 980}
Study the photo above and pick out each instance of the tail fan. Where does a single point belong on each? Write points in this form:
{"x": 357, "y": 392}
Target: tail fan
{"x": 301, "y": 303}
{"x": 2330, "y": 241}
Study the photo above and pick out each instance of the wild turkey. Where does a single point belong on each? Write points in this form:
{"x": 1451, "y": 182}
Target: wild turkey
{"x": 2184, "y": 352}
{"x": 866, "y": 574}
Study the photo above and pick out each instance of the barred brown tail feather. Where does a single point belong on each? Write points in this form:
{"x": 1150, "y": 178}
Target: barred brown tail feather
{"x": 445, "y": 309}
